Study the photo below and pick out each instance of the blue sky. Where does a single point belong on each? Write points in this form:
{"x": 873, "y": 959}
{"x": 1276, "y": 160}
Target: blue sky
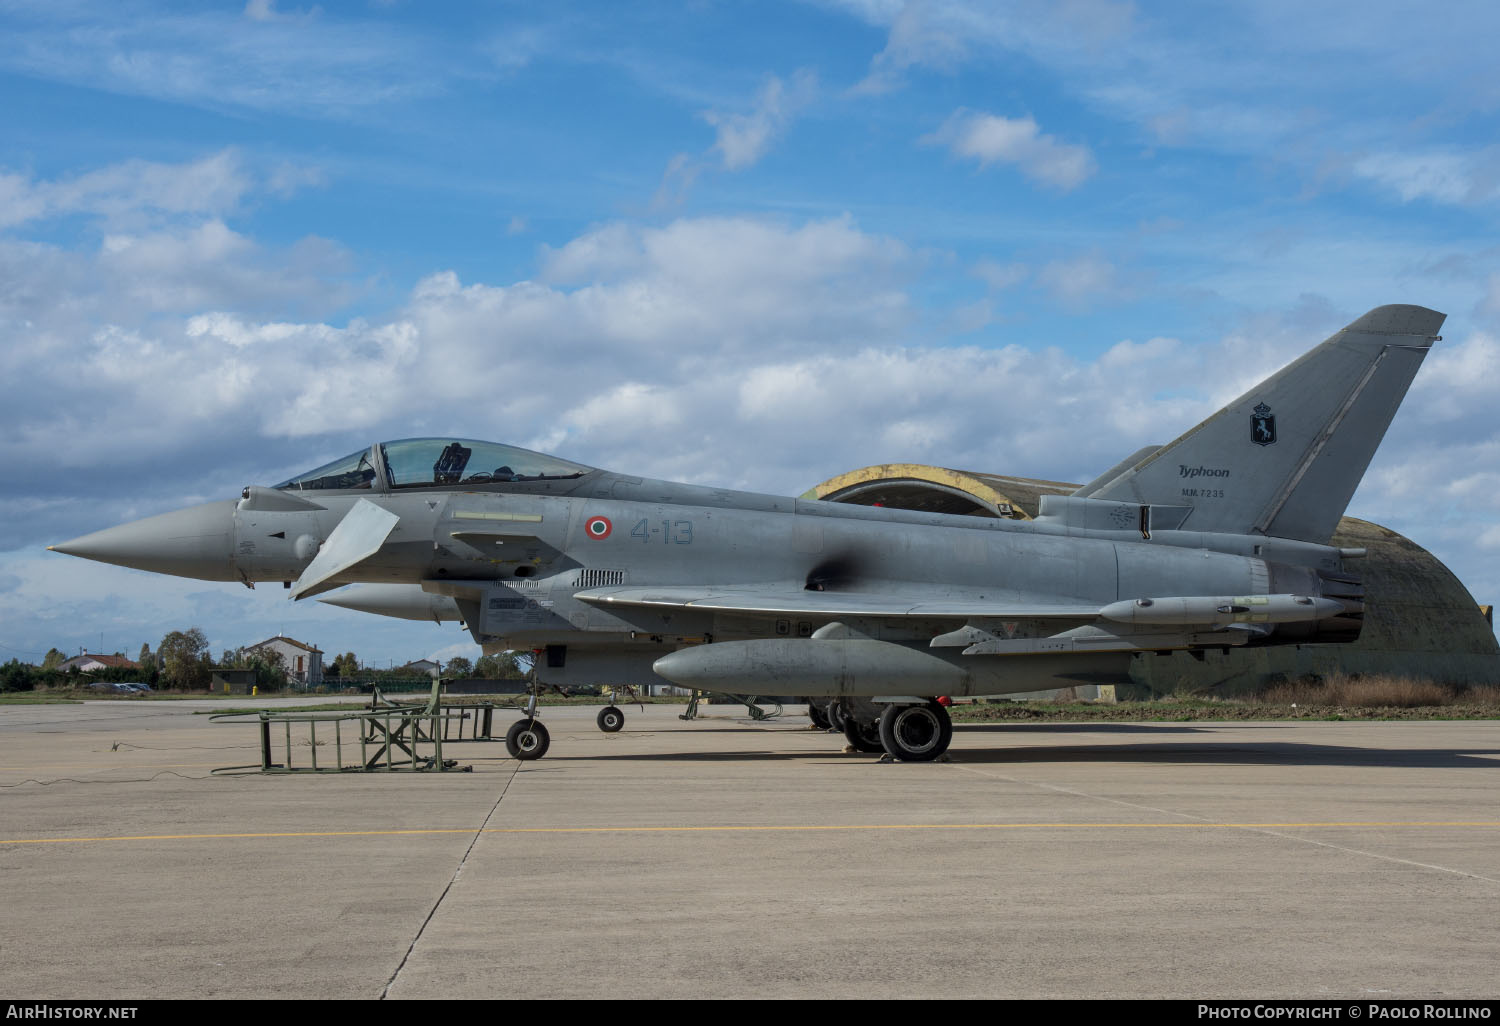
{"x": 746, "y": 244}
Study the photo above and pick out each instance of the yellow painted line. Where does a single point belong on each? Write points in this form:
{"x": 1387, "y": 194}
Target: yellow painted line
{"x": 139, "y": 767}
{"x": 751, "y": 829}
{"x": 221, "y": 837}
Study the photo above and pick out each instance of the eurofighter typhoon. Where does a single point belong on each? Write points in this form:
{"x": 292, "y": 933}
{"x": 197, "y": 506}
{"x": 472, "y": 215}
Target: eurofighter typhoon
{"x": 1216, "y": 540}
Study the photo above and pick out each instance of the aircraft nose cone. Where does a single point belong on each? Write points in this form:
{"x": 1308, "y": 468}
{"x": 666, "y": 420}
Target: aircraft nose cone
{"x": 193, "y": 542}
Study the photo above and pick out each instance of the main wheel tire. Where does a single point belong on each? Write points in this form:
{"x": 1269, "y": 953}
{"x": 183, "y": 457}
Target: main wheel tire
{"x": 915, "y": 733}
{"x": 610, "y": 719}
{"x": 527, "y": 739}
{"x": 836, "y": 716}
{"x": 818, "y": 715}
{"x": 863, "y": 737}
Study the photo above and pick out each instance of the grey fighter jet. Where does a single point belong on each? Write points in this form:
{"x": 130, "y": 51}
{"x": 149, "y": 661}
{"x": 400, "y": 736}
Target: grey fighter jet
{"x": 1216, "y": 540}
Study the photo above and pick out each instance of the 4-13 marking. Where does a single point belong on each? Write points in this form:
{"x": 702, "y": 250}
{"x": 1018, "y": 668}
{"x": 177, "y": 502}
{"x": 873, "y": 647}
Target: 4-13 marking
{"x": 668, "y": 532}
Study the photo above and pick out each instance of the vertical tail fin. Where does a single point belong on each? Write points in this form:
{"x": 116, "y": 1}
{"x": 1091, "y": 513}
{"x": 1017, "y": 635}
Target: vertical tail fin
{"x": 1284, "y": 458}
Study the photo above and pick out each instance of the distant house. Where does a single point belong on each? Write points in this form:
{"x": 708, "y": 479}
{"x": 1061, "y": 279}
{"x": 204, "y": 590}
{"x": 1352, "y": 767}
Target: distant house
{"x": 88, "y": 663}
{"x": 425, "y": 666}
{"x": 303, "y": 662}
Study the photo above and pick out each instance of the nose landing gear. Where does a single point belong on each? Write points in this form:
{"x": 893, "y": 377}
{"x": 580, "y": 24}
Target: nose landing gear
{"x": 527, "y": 739}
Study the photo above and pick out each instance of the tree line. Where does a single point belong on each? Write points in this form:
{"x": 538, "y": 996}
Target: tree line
{"x": 182, "y": 662}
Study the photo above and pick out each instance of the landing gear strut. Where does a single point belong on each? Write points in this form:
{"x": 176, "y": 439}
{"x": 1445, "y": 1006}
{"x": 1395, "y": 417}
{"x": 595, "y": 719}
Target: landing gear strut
{"x": 527, "y": 739}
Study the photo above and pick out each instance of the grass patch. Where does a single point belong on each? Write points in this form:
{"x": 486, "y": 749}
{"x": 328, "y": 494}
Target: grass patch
{"x": 1378, "y": 692}
{"x": 1336, "y": 697}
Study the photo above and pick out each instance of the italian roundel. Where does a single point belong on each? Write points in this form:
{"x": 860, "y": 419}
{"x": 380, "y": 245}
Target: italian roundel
{"x": 598, "y": 527}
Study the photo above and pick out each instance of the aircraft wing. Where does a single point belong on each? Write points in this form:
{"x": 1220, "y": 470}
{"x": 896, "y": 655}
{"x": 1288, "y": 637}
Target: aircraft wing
{"x": 1148, "y": 613}
{"x": 771, "y": 602}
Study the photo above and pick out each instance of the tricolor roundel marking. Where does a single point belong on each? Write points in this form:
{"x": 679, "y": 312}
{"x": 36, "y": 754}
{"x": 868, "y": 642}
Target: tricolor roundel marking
{"x": 598, "y": 527}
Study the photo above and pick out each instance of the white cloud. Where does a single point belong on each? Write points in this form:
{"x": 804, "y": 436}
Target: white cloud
{"x": 634, "y": 406}
{"x": 1312, "y": 86}
{"x": 1459, "y": 378}
{"x": 159, "y": 324}
{"x": 517, "y": 46}
{"x": 719, "y": 283}
{"x": 1490, "y": 304}
{"x": 741, "y": 139}
{"x": 917, "y": 38}
{"x": 210, "y": 264}
{"x": 990, "y": 138}
{"x": 999, "y": 276}
{"x": 1452, "y": 176}
{"x": 783, "y": 391}
{"x": 943, "y": 34}
{"x": 736, "y": 350}
{"x": 744, "y": 138}
{"x": 130, "y": 191}
{"x": 254, "y": 57}
{"x": 1082, "y": 280}
{"x": 1129, "y": 354}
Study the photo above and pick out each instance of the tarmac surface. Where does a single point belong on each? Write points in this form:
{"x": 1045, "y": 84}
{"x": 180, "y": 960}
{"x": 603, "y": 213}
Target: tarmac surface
{"x": 734, "y": 858}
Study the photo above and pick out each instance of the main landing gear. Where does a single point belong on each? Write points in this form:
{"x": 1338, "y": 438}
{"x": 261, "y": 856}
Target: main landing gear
{"x": 911, "y": 732}
{"x": 863, "y": 735}
{"x": 915, "y": 733}
{"x": 610, "y": 719}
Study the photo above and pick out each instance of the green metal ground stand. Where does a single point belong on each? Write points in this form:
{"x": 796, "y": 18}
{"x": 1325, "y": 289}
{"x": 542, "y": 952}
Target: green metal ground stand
{"x": 389, "y": 736}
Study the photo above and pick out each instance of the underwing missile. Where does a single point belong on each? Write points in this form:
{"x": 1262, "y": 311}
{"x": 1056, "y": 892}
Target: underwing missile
{"x": 1222, "y": 611}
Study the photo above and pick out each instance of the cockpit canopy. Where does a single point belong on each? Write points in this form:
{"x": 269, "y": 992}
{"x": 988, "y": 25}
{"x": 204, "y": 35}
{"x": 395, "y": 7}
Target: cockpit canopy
{"x": 434, "y": 462}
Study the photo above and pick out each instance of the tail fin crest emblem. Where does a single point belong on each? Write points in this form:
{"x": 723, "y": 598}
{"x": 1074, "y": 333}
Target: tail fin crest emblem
{"x": 1262, "y": 425}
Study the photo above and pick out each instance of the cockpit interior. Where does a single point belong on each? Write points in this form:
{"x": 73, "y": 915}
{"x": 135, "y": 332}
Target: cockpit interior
{"x": 434, "y": 463}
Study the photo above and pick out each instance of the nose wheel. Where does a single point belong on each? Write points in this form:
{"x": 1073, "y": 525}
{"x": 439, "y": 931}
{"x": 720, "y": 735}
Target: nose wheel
{"x": 527, "y": 739}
